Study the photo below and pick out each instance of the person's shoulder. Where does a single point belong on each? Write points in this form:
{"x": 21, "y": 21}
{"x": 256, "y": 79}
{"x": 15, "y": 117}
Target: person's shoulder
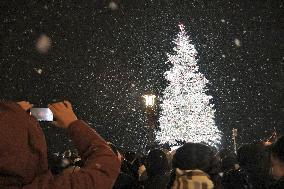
{"x": 237, "y": 179}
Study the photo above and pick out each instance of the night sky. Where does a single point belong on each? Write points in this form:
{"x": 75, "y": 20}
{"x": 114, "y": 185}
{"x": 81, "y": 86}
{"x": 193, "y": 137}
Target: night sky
{"x": 104, "y": 58}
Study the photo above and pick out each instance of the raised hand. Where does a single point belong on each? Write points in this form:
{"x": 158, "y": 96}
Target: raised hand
{"x": 63, "y": 113}
{"x": 25, "y": 105}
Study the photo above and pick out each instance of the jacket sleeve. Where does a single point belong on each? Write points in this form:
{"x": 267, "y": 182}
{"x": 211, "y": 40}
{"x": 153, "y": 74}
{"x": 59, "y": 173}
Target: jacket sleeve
{"x": 101, "y": 166}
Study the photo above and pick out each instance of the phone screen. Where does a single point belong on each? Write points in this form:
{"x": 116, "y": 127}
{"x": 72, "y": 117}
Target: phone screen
{"x": 42, "y": 114}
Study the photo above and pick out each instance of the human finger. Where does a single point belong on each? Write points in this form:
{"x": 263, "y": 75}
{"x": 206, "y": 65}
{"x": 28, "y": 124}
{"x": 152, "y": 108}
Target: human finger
{"x": 52, "y": 109}
{"x": 25, "y": 105}
{"x": 59, "y": 105}
{"x": 28, "y": 106}
{"x": 68, "y": 104}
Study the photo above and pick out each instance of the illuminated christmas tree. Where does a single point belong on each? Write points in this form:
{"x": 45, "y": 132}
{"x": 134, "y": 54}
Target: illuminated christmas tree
{"x": 187, "y": 114}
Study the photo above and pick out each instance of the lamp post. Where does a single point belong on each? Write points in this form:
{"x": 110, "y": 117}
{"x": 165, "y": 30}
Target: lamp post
{"x": 150, "y": 100}
{"x": 150, "y": 109}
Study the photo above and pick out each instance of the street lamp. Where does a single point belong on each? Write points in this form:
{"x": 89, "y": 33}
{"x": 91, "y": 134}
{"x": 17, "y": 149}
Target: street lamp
{"x": 149, "y": 100}
{"x": 151, "y": 116}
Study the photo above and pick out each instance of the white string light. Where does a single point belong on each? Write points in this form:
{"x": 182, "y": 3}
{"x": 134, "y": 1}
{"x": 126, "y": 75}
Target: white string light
{"x": 187, "y": 113}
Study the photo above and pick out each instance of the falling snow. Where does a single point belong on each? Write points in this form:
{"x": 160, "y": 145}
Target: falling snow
{"x": 237, "y": 42}
{"x": 113, "y": 6}
{"x": 105, "y": 55}
{"x": 43, "y": 44}
{"x": 38, "y": 70}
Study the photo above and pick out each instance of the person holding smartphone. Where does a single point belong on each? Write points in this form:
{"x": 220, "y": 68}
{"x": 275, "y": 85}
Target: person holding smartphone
{"x": 23, "y": 151}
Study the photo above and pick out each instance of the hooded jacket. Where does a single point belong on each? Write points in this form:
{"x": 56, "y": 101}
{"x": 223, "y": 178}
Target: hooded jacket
{"x": 23, "y": 155}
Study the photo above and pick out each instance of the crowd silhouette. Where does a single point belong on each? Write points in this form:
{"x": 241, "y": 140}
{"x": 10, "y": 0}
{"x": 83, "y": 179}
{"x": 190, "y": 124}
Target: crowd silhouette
{"x": 98, "y": 164}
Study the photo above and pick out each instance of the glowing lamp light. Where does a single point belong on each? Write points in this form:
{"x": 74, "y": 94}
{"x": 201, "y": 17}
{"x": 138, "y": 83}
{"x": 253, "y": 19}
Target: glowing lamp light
{"x": 149, "y": 100}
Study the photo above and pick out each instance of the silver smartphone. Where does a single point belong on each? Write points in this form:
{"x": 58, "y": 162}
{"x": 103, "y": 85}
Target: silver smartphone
{"x": 42, "y": 114}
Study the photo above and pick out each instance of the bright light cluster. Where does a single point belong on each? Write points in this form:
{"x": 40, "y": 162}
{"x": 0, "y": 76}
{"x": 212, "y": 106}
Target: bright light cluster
{"x": 186, "y": 110}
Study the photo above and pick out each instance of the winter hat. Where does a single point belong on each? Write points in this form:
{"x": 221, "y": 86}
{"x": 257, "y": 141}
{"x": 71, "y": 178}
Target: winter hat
{"x": 193, "y": 156}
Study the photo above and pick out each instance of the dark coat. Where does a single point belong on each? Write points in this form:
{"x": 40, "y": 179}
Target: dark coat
{"x": 125, "y": 181}
{"x": 23, "y": 155}
{"x": 236, "y": 179}
{"x": 278, "y": 184}
{"x": 157, "y": 182}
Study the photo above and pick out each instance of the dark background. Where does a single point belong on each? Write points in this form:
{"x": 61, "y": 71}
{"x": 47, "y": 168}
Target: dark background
{"x": 104, "y": 60}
